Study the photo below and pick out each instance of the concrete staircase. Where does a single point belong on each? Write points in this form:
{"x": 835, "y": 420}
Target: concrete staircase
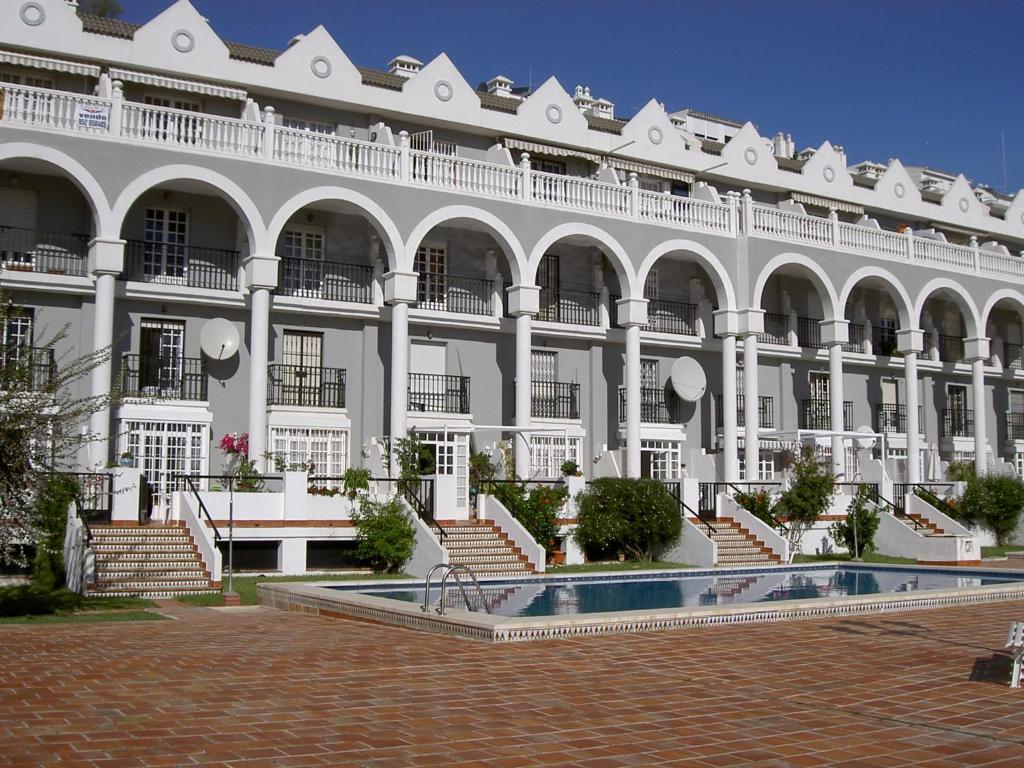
{"x": 923, "y": 526}
{"x": 738, "y": 546}
{"x": 154, "y": 562}
{"x": 484, "y": 548}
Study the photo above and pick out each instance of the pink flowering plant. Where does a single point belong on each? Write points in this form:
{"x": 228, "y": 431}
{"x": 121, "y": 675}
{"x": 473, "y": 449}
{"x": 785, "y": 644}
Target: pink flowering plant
{"x": 247, "y": 475}
{"x": 234, "y": 443}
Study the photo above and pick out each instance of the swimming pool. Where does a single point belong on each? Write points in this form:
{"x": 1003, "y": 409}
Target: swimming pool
{"x": 547, "y": 607}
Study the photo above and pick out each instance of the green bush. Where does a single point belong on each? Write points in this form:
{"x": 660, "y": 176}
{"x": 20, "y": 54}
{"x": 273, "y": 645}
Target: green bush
{"x": 634, "y": 516}
{"x": 994, "y": 501}
{"x": 50, "y": 512}
{"x": 385, "y": 536}
{"x": 356, "y": 479}
{"x": 759, "y": 504}
{"x": 864, "y": 515}
{"x": 960, "y": 471}
{"x": 536, "y": 510}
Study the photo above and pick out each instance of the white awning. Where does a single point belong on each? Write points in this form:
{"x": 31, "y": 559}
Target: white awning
{"x": 826, "y": 202}
{"x": 547, "y": 149}
{"x": 177, "y": 84}
{"x": 631, "y": 166}
{"x": 44, "y": 62}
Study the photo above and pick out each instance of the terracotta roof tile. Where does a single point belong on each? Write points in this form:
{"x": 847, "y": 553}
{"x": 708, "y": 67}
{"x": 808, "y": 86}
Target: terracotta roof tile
{"x": 712, "y": 147}
{"x": 498, "y": 103}
{"x": 604, "y": 124}
{"x": 252, "y": 53}
{"x": 381, "y": 79}
{"x": 101, "y": 25}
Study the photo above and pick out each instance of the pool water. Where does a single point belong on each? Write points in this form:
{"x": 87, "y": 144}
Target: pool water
{"x": 607, "y": 594}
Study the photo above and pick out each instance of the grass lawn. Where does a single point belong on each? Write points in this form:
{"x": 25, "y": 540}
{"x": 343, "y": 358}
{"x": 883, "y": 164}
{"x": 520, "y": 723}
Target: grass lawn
{"x": 26, "y": 603}
{"x": 869, "y": 557}
{"x": 615, "y": 565}
{"x": 1001, "y": 551}
{"x": 245, "y": 586}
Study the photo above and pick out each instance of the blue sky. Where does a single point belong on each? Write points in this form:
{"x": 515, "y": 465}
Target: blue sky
{"x": 933, "y": 82}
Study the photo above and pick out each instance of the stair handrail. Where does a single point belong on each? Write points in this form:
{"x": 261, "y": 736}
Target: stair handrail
{"x": 926, "y": 494}
{"x": 891, "y": 508}
{"x": 453, "y": 570}
{"x": 408, "y": 489}
{"x": 683, "y": 506}
{"x": 85, "y": 523}
{"x": 190, "y": 482}
{"x": 780, "y": 526}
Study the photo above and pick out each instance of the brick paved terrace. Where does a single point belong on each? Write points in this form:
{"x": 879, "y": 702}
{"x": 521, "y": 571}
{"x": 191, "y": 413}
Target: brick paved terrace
{"x": 260, "y": 687}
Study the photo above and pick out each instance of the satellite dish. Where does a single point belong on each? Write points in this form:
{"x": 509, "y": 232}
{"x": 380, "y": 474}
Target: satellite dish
{"x": 218, "y": 339}
{"x": 688, "y": 379}
{"x": 868, "y": 441}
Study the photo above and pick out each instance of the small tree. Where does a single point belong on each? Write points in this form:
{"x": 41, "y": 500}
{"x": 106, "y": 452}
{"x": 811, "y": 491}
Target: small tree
{"x": 537, "y": 509}
{"x": 636, "y": 516}
{"x": 807, "y": 498}
{"x": 862, "y": 514}
{"x": 995, "y": 501}
{"x": 385, "y": 536}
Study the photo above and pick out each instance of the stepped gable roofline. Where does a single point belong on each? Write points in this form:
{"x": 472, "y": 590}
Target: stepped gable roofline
{"x": 378, "y": 78}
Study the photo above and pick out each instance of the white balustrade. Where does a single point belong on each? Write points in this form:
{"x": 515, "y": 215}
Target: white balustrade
{"x": 465, "y": 175}
{"x": 957, "y": 257}
{"x": 685, "y": 211}
{"x": 336, "y": 153}
{"x": 872, "y": 241}
{"x": 44, "y": 108}
{"x": 782, "y": 225}
{"x": 184, "y": 129}
{"x": 582, "y": 194}
{"x": 194, "y": 130}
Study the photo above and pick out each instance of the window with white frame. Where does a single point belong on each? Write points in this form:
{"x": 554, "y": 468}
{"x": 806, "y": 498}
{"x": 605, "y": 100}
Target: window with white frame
{"x": 430, "y": 264}
{"x": 162, "y": 449}
{"x": 660, "y": 459}
{"x": 451, "y": 457}
{"x": 544, "y": 365}
{"x": 164, "y": 250}
{"x": 183, "y": 129}
{"x": 1018, "y": 463}
{"x": 161, "y": 353}
{"x": 311, "y": 126}
{"x": 17, "y": 330}
{"x": 32, "y": 81}
{"x": 302, "y": 265}
{"x": 649, "y": 373}
{"x": 765, "y": 466}
{"x": 549, "y": 452}
{"x": 174, "y": 103}
{"x": 325, "y": 449}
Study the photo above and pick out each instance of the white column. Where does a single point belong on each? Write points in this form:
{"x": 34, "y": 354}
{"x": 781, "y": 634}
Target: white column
{"x": 106, "y": 261}
{"x": 524, "y": 390}
{"x": 835, "y": 398}
{"x": 913, "y": 427}
{"x": 399, "y": 372}
{"x": 980, "y": 443}
{"x": 633, "y": 396}
{"x": 259, "y": 355}
{"x": 730, "y": 455}
{"x": 751, "y": 415}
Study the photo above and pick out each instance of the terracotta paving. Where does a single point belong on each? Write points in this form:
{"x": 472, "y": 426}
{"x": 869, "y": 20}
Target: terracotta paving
{"x": 265, "y": 688}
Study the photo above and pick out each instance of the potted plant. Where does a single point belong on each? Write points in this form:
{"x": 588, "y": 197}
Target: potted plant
{"x": 354, "y": 480}
{"x": 571, "y": 469}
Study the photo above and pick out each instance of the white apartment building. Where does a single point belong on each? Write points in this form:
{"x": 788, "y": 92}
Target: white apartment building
{"x": 397, "y": 249}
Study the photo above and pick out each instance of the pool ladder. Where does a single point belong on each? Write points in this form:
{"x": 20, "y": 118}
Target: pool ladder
{"x": 453, "y": 570}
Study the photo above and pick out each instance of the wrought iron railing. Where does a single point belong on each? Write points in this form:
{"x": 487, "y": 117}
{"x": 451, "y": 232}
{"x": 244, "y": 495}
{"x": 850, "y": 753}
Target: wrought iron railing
{"x": 671, "y": 316}
{"x": 554, "y": 400}
{"x": 311, "y": 387}
{"x": 454, "y": 293}
{"x": 438, "y": 393}
{"x": 808, "y": 333}
{"x": 328, "y": 280}
{"x": 570, "y": 306}
{"x": 657, "y": 406}
{"x": 892, "y": 417}
{"x": 1013, "y": 356}
{"x": 817, "y": 414}
{"x": 857, "y": 338}
{"x": 95, "y": 496}
{"x": 776, "y": 329}
{"x": 765, "y": 411}
{"x": 957, "y": 422}
{"x": 30, "y": 250}
{"x": 26, "y": 368}
{"x": 1014, "y": 426}
{"x": 181, "y": 378}
{"x": 951, "y": 348}
{"x": 884, "y": 341}
{"x": 173, "y": 264}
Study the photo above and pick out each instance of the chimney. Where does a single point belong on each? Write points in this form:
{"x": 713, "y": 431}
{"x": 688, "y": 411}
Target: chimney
{"x": 603, "y": 108}
{"x": 499, "y": 85}
{"x": 779, "y": 145}
{"x": 295, "y": 40}
{"x": 404, "y": 66}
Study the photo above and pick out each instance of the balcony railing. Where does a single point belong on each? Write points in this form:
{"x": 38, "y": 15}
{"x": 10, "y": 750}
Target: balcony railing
{"x": 671, "y": 316}
{"x": 951, "y": 348}
{"x": 957, "y": 422}
{"x": 454, "y": 293}
{"x": 776, "y": 329}
{"x": 26, "y": 368}
{"x": 309, "y": 387}
{"x": 857, "y": 338}
{"x": 554, "y": 400}
{"x": 180, "y": 378}
{"x": 1013, "y": 356}
{"x": 892, "y": 418}
{"x": 657, "y": 406}
{"x": 883, "y": 340}
{"x": 30, "y": 250}
{"x": 817, "y": 414}
{"x": 808, "y": 333}
{"x": 190, "y": 265}
{"x": 570, "y": 306}
{"x": 328, "y": 280}
{"x": 438, "y": 393}
{"x": 765, "y": 411}
{"x": 208, "y": 134}
{"x": 1014, "y": 426}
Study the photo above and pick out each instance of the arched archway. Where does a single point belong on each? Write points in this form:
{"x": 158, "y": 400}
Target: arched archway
{"x": 690, "y": 251}
{"x": 798, "y": 265}
{"x": 585, "y": 235}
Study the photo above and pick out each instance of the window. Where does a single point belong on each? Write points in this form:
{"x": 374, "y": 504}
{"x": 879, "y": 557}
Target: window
{"x": 430, "y": 264}
{"x": 651, "y": 185}
{"x": 651, "y": 285}
{"x": 956, "y": 397}
{"x": 819, "y": 386}
{"x": 312, "y": 126}
{"x": 165, "y": 244}
{"x": 765, "y": 466}
{"x": 549, "y": 452}
{"x": 302, "y": 361}
{"x": 1018, "y": 463}
{"x": 660, "y": 459}
{"x": 304, "y": 249}
{"x": 547, "y": 166}
{"x": 451, "y": 457}
{"x": 544, "y": 365}
{"x": 164, "y": 449}
{"x": 18, "y": 329}
{"x": 17, "y": 220}
{"x": 325, "y": 449}
{"x": 165, "y": 101}
{"x": 1017, "y": 401}
{"x": 170, "y": 127}
{"x": 161, "y": 349}
{"x": 649, "y": 374}
{"x": 32, "y": 81}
